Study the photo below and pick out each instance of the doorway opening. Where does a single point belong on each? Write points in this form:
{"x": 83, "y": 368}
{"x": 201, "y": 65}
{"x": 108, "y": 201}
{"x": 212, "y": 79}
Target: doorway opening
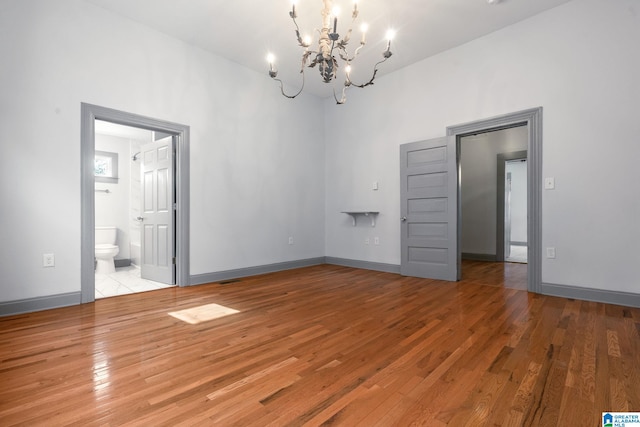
{"x": 124, "y": 205}
{"x": 163, "y": 163}
{"x": 493, "y": 211}
{"x": 531, "y": 123}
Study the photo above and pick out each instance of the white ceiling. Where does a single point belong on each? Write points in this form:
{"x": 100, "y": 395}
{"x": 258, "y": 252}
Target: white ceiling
{"x": 244, "y": 31}
{"x": 113, "y": 129}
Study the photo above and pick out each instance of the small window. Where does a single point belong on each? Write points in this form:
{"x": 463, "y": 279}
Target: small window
{"x": 106, "y": 167}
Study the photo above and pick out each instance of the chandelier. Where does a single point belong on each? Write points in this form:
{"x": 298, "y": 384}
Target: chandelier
{"x": 329, "y": 43}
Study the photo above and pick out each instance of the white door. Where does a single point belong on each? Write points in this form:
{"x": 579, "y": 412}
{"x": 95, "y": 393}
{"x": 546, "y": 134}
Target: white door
{"x": 157, "y": 242}
{"x": 429, "y": 210}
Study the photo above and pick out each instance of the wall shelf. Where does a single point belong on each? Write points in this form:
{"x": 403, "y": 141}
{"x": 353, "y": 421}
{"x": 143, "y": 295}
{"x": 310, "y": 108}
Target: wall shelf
{"x": 354, "y": 215}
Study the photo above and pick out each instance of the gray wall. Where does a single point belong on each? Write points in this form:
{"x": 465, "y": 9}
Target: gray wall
{"x": 478, "y": 186}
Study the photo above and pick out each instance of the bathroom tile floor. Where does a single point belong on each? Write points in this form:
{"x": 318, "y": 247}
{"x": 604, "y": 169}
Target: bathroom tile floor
{"x": 126, "y": 280}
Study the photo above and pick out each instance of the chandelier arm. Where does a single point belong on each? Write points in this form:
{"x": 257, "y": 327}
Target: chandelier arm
{"x": 345, "y": 56}
{"x": 344, "y": 96}
{"x": 298, "y": 36}
{"x": 295, "y": 23}
{"x": 347, "y": 37}
{"x": 282, "y": 87}
{"x": 370, "y": 82}
{"x": 357, "y": 50}
{"x": 305, "y": 59}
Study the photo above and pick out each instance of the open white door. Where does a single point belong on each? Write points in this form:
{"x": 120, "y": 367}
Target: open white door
{"x": 157, "y": 242}
{"x": 429, "y": 210}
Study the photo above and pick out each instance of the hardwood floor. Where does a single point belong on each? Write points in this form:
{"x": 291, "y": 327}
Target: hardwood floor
{"x": 324, "y": 345}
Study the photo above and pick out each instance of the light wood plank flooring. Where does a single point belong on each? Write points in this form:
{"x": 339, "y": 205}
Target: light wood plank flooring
{"x": 325, "y": 345}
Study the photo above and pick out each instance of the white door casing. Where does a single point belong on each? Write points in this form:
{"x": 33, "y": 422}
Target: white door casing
{"x": 429, "y": 209}
{"x": 158, "y": 207}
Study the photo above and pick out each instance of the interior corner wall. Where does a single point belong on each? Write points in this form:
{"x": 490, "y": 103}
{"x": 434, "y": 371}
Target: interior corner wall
{"x": 580, "y": 62}
{"x": 255, "y": 178}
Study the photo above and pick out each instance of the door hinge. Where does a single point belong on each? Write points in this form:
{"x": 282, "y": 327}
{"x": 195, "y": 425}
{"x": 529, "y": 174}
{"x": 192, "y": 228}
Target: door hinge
{"x": 174, "y": 260}
{"x": 175, "y": 206}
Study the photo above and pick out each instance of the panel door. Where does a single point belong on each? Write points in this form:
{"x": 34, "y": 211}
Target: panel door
{"x": 158, "y": 236}
{"x": 429, "y": 209}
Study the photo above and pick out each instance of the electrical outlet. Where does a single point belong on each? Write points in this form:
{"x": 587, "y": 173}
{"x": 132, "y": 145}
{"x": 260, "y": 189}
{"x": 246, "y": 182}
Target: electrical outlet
{"x": 549, "y": 183}
{"x": 551, "y": 253}
{"x": 366, "y": 241}
{"x": 48, "y": 260}
{"x": 376, "y": 240}
{"x": 290, "y": 240}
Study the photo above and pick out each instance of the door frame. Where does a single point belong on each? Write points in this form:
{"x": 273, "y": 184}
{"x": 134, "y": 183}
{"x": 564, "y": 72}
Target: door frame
{"x": 532, "y": 118}
{"x": 89, "y": 114}
{"x": 503, "y": 158}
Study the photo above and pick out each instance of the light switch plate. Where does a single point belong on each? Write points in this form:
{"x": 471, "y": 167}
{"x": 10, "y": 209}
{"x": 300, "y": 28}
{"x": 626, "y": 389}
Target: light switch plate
{"x": 48, "y": 260}
{"x": 551, "y": 253}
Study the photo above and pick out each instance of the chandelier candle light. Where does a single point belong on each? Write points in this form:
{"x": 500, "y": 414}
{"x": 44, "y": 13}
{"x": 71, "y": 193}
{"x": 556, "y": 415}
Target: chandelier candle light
{"x": 329, "y": 42}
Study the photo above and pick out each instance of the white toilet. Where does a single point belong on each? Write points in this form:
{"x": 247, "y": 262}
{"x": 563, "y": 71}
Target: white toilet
{"x": 106, "y": 249}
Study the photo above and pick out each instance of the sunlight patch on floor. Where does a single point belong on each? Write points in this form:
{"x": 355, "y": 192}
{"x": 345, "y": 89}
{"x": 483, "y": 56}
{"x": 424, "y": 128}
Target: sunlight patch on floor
{"x": 202, "y": 313}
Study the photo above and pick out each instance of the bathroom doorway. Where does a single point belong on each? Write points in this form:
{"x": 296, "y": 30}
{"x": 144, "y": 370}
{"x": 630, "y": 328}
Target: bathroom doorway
{"x": 112, "y": 168}
{"x": 129, "y": 155}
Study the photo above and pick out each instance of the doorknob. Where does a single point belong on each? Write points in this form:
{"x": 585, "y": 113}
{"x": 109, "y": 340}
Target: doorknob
{"x": 403, "y": 219}
{"x": 139, "y": 218}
